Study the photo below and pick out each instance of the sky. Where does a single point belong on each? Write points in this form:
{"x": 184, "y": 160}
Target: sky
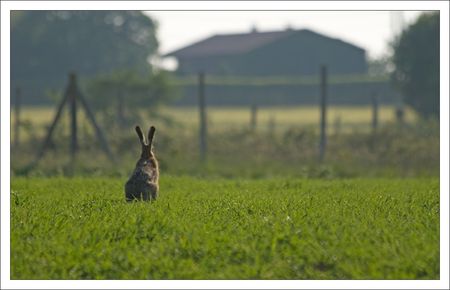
{"x": 371, "y": 30}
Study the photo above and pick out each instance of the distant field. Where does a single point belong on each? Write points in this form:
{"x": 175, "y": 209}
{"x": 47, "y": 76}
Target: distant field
{"x": 81, "y": 228}
{"x": 285, "y": 117}
{"x": 349, "y": 118}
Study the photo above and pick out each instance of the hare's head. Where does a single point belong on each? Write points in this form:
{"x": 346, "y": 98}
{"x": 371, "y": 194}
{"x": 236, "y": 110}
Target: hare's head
{"x": 147, "y": 151}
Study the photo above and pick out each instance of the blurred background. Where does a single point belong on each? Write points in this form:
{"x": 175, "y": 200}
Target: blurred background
{"x": 324, "y": 94}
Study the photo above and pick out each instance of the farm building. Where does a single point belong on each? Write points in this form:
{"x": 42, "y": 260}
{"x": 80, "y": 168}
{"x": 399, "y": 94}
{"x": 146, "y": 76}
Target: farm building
{"x": 287, "y": 52}
{"x": 290, "y": 54}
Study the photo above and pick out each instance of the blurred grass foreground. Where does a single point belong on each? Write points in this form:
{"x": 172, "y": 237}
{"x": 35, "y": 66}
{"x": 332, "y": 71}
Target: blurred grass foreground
{"x": 282, "y": 228}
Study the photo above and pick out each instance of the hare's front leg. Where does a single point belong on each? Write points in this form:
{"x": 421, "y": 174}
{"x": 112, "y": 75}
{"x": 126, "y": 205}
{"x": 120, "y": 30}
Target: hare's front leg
{"x": 151, "y": 191}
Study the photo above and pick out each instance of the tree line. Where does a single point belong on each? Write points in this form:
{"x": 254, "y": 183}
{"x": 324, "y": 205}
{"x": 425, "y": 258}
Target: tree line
{"x": 111, "y": 49}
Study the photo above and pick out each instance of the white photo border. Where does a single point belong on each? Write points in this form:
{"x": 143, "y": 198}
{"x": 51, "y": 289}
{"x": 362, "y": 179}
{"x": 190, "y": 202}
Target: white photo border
{"x": 7, "y": 6}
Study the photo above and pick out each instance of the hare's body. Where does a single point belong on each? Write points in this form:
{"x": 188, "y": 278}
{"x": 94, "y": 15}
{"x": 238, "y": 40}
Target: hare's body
{"x": 143, "y": 183}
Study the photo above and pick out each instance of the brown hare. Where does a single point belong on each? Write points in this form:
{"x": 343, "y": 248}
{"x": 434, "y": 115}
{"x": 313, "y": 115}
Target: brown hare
{"x": 143, "y": 183}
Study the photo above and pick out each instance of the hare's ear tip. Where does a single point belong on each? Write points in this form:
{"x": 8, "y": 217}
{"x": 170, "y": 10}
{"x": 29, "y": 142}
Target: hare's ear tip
{"x": 152, "y": 128}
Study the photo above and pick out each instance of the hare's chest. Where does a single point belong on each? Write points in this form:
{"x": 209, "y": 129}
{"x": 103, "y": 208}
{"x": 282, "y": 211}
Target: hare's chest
{"x": 144, "y": 174}
{"x": 141, "y": 174}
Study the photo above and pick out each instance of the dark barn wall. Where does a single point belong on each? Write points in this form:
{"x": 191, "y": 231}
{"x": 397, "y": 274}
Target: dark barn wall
{"x": 217, "y": 65}
{"x": 301, "y": 53}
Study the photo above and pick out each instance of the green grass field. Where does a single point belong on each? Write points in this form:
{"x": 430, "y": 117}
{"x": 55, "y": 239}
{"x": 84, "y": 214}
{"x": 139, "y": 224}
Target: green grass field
{"x": 278, "y": 228}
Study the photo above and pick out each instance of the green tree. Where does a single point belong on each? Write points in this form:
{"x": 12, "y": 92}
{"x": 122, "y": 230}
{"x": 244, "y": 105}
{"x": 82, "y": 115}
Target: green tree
{"x": 379, "y": 66}
{"x": 46, "y": 45}
{"x": 120, "y": 96}
{"x": 416, "y": 61}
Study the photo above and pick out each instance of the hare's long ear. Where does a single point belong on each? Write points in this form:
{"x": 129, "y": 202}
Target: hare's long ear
{"x": 141, "y": 136}
{"x": 151, "y": 133}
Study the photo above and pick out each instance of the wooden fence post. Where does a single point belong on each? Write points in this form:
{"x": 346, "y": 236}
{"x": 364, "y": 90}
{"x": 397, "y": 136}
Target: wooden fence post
{"x": 73, "y": 115}
{"x": 71, "y": 94}
{"x": 399, "y": 114}
{"x": 374, "y": 113}
{"x": 202, "y": 111}
{"x": 17, "y": 122}
{"x": 253, "y": 117}
{"x": 323, "y": 112}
